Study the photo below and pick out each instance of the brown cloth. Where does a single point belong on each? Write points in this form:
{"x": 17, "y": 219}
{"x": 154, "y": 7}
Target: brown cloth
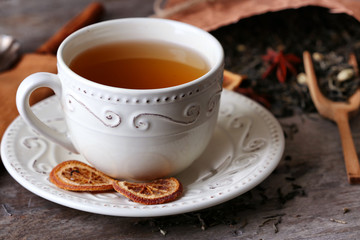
{"x": 10, "y": 80}
{"x": 212, "y": 14}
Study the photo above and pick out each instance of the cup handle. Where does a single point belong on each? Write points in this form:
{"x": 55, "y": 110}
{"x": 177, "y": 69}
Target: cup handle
{"x": 27, "y": 86}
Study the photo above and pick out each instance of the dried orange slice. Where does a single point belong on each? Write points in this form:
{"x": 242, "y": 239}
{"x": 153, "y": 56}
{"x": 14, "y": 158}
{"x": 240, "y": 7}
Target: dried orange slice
{"x": 77, "y": 176}
{"x": 154, "y": 192}
{"x": 232, "y": 80}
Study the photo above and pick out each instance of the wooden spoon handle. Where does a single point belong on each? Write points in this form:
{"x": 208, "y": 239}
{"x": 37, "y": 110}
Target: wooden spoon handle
{"x": 350, "y": 156}
{"x": 321, "y": 103}
{"x": 89, "y": 15}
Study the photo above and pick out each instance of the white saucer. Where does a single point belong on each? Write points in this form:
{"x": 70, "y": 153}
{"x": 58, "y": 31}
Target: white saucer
{"x": 246, "y": 147}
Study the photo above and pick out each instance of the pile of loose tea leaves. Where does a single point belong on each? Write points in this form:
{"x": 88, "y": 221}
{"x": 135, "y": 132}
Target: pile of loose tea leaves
{"x": 331, "y": 38}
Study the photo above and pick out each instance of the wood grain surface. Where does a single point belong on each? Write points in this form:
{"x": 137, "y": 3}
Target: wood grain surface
{"x": 306, "y": 197}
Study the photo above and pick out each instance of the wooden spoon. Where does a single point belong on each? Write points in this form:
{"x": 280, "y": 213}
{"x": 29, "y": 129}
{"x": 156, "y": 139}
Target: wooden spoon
{"x": 338, "y": 112}
{"x": 43, "y": 60}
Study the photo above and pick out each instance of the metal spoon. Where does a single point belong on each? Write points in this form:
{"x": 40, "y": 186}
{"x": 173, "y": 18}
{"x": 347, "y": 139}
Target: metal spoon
{"x": 338, "y": 112}
{"x": 9, "y": 51}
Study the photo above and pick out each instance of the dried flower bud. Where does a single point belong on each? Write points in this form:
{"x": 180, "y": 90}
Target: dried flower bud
{"x": 301, "y": 78}
{"x": 317, "y": 56}
{"x": 345, "y": 74}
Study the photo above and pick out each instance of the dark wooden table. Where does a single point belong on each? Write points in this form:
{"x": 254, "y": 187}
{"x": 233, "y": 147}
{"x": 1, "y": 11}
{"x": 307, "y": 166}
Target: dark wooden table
{"x": 306, "y": 197}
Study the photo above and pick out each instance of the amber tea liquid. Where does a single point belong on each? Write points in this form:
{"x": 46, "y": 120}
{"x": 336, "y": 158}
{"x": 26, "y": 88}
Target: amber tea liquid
{"x": 140, "y": 65}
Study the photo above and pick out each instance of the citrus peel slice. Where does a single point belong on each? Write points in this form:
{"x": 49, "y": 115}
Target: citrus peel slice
{"x": 77, "y": 176}
{"x": 232, "y": 80}
{"x": 155, "y": 192}
{"x": 74, "y": 175}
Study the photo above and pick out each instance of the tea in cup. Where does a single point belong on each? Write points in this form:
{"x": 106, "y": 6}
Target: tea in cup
{"x": 140, "y": 96}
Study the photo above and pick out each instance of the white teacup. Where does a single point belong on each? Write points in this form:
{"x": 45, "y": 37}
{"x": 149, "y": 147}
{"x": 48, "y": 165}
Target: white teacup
{"x": 128, "y": 133}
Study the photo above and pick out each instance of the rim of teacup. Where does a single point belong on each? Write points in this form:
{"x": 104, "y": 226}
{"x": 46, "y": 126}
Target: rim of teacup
{"x": 214, "y": 68}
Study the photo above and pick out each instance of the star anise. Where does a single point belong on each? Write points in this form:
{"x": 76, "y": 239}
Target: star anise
{"x": 281, "y": 62}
